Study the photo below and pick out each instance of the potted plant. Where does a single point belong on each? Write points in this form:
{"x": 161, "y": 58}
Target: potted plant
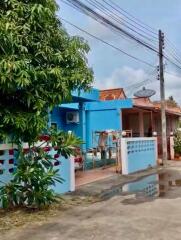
{"x": 177, "y": 145}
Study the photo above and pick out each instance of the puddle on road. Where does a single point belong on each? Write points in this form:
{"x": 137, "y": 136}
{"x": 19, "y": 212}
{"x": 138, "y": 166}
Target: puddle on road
{"x": 154, "y": 186}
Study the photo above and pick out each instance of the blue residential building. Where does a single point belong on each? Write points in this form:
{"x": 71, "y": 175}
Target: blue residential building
{"x": 87, "y": 114}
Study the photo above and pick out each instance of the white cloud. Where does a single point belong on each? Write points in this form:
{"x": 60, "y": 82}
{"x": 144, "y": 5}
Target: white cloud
{"x": 130, "y": 79}
{"x": 123, "y": 77}
{"x": 173, "y": 86}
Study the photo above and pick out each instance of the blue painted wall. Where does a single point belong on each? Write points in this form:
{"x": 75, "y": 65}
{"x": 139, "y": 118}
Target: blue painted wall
{"x": 108, "y": 105}
{"x": 100, "y": 121}
{"x": 104, "y": 115}
{"x": 94, "y": 116}
{"x": 58, "y": 116}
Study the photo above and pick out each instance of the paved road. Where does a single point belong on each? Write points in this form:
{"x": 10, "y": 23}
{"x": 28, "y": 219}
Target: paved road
{"x": 121, "y": 217}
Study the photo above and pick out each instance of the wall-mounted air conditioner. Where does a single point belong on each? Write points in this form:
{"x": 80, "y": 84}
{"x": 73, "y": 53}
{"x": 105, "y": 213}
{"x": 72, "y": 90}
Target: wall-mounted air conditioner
{"x": 72, "y": 117}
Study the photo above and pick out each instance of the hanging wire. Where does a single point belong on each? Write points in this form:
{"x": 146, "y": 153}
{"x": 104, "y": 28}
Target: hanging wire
{"x": 90, "y": 12}
{"x": 108, "y": 20}
{"x": 107, "y": 43}
{"x": 119, "y": 19}
{"x": 132, "y": 18}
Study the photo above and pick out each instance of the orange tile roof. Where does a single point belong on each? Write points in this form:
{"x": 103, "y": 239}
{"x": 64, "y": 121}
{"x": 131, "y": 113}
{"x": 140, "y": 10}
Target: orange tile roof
{"x": 118, "y": 93}
{"x": 111, "y": 94}
{"x": 147, "y": 103}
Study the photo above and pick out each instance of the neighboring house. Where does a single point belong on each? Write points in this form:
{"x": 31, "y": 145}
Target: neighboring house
{"x": 100, "y": 110}
{"x": 145, "y": 116}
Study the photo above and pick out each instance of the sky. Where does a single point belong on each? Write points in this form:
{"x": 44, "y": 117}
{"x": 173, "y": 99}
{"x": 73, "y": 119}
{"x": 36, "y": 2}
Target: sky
{"x": 112, "y": 69}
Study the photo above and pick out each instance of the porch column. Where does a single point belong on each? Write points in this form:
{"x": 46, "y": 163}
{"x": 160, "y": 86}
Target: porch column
{"x": 141, "y": 124}
{"x": 83, "y": 124}
{"x": 172, "y": 152}
{"x": 153, "y": 123}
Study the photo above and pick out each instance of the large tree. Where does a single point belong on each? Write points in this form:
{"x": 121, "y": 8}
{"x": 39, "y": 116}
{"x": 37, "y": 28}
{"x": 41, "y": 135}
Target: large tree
{"x": 40, "y": 64}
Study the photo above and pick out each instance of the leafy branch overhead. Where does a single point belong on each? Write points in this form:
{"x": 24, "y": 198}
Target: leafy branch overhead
{"x": 40, "y": 64}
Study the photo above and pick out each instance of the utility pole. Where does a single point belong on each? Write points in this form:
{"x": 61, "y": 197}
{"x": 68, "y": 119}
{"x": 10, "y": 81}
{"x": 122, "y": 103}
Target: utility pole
{"x": 162, "y": 96}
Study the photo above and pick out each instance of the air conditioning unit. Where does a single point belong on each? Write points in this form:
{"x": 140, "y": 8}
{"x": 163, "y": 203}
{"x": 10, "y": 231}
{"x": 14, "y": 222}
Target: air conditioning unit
{"x": 72, "y": 117}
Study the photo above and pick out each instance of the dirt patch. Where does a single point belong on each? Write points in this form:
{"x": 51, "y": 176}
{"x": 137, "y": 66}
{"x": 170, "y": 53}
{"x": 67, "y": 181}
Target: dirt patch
{"x": 20, "y": 217}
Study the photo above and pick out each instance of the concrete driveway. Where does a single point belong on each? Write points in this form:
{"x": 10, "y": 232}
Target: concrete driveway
{"x": 128, "y": 217}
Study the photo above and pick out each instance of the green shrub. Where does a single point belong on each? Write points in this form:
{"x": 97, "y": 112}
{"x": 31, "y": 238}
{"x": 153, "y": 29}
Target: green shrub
{"x": 35, "y": 175}
{"x": 177, "y": 142}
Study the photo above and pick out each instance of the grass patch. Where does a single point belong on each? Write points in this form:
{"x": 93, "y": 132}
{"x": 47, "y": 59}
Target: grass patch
{"x": 21, "y": 216}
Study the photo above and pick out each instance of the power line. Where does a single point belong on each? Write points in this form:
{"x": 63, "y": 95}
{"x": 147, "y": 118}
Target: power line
{"x": 132, "y": 18}
{"x": 71, "y": 5}
{"x": 173, "y": 74}
{"x": 176, "y": 50}
{"x": 138, "y": 84}
{"x": 118, "y": 32}
{"x": 119, "y": 19}
{"x": 173, "y": 54}
{"x": 103, "y": 20}
{"x": 174, "y": 58}
{"x": 129, "y": 90}
{"x": 109, "y": 44}
{"x": 175, "y": 64}
{"x": 114, "y": 27}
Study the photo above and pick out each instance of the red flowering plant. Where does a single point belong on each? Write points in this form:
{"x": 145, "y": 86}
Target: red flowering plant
{"x": 36, "y": 172}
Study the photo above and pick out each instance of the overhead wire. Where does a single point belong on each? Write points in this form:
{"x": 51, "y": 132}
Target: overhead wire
{"x": 90, "y": 12}
{"x": 172, "y": 62}
{"x": 129, "y": 90}
{"x": 114, "y": 31}
{"x": 108, "y": 44}
{"x": 170, "y": 55}
{"x": 173, "y": 74}
{"x": 175, "y": 49}
{"x": 119, "y": 19}
{"x": 170, "y": 52}
{"x": 174, "y": 56}
{"x": 132, "y": 18}
{"x": 138, "y": 84}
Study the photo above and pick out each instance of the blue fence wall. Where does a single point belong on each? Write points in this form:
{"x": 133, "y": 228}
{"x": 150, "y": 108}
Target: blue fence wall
{"x": 64, "y": 172}
{"x": 8, "y": 165}
{"x": 138, "y": 154}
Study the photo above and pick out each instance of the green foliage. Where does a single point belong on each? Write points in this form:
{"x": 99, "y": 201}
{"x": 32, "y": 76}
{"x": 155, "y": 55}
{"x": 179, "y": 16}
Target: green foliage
{"x": 35, "y": 173}
{"x": 177, "y": 142}
{"x": 65, "y": 143}
{"x": 40, "y": 64}
{"x": 31, "y": 182}
{"x": 171, "y": 102}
